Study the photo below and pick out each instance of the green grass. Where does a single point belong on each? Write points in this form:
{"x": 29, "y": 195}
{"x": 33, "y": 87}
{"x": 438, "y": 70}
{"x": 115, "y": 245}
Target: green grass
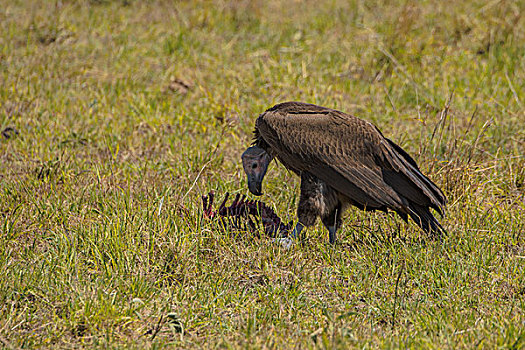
{"x": 128, "y": 111}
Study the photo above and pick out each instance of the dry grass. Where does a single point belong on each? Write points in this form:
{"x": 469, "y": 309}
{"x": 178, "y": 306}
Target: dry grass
{"x": 116, "y": 116}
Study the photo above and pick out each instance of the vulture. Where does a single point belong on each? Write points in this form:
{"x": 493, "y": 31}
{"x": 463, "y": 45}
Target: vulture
{"x": 342, "y": 161}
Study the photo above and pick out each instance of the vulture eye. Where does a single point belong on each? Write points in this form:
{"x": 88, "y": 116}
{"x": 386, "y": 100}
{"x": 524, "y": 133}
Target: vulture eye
{"x": 254, "y": 165}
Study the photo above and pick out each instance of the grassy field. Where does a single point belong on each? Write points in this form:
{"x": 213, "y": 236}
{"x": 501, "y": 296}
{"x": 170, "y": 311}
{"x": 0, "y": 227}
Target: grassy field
{"x": 116, "y": 116}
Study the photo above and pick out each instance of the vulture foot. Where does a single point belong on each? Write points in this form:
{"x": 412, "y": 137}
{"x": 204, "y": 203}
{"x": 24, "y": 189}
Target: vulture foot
{"x": 285, "y": 242}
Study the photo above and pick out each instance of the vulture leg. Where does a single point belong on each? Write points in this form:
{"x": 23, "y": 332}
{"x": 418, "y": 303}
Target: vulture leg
{"x": 318, "y": 200}
{"x": 297, "y": 230}
{"x": 332, "y": 222}
{"x": 310, "y": 200}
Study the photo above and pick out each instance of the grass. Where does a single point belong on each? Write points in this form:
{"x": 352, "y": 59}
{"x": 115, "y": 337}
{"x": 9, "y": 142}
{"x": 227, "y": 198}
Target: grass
{"x": 118, "y": 115}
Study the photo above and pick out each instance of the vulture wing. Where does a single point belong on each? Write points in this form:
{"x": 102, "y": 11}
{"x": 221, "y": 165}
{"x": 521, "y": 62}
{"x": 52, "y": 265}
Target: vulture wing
{"x": 353, "y": 157}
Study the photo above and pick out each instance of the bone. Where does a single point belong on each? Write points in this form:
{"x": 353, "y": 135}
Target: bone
{"x": 246, "y": 215}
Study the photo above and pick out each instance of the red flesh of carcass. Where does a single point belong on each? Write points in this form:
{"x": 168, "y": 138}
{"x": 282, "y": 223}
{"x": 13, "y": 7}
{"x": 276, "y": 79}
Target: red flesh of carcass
{"x": 245, "y": 214}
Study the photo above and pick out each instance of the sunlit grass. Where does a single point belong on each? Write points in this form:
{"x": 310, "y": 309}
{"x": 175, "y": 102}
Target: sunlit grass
{"x": 116, "y": 116}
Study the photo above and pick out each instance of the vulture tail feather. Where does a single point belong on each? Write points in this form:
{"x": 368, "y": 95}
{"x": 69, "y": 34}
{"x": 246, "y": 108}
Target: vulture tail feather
{"x": 403, "y": 216}
{"x": 424, "y": 219}
{"x": 415, "y": 175}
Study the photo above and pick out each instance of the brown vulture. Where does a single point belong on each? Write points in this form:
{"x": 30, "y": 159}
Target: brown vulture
{"x": 342, "y": 160}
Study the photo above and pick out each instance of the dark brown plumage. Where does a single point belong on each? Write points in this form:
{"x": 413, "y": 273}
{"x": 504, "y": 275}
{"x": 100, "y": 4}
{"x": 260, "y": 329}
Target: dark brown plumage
{"x": 342, "y": 160}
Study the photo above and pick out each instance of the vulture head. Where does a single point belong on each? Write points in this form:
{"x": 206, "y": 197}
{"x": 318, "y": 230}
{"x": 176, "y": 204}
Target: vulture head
{"x": 255, "y": 161}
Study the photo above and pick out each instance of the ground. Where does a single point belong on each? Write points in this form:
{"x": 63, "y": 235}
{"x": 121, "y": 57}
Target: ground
{"x": 116, "y": 116}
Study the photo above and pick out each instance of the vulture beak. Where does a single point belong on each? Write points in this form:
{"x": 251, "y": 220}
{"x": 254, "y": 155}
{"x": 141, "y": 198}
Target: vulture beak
{"x": 255, "y": 161}
{"x": 255, "y": 185}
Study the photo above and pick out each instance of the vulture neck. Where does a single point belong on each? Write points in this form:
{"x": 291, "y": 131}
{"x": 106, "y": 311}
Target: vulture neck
{"x": 259, "y": 142}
